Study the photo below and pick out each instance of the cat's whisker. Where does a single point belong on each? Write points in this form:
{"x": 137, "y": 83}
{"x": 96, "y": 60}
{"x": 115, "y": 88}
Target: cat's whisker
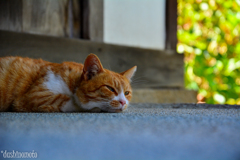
{"x": 109, "y": 67}
{"x": 135, "y": 78}
{"x": 138, "y": 84}
{"x": 140, "y": 81}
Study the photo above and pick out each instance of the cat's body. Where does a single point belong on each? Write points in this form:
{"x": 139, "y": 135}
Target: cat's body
{"x": 29, "y": 85}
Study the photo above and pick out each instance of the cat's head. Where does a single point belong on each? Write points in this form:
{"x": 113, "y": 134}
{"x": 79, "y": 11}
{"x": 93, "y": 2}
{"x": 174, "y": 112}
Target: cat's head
{"x": 104, "y": 89}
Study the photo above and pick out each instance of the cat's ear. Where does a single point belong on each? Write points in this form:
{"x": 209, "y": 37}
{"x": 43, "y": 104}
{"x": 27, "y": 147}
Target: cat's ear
{"x": 92, "y": 67}
{"x": 129, "y": 73}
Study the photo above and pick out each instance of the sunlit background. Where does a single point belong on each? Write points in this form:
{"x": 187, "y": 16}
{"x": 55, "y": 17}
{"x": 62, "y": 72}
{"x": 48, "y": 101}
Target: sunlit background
{"x": 208, "y": 35}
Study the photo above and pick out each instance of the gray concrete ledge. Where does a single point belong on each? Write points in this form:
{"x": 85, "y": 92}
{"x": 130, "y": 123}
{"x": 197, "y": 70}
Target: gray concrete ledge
{"x": 144, "y": 131}
{"x": 184, "y": 106}
{"x": 166, "y": 68}
{"x": 164, "y": 96}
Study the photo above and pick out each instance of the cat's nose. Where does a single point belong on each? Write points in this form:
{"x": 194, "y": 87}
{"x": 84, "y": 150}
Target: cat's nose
{"x": 122, "y": 102}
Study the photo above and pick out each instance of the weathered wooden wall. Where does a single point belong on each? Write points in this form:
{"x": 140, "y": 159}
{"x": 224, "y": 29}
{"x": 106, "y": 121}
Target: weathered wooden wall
{"x": 47, "y": 17}
{"x": 69, "y": 18}
{"x": 11, "y": 15}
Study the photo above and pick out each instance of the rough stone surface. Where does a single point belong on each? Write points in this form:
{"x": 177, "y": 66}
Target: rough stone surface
{"x": 145, "y": 131}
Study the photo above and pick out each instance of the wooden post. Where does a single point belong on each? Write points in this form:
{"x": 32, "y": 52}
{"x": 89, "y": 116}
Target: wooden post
{"x": 171, "y": 25}
{"x": 84, "y": 9}
{"x": 92, "y": 20}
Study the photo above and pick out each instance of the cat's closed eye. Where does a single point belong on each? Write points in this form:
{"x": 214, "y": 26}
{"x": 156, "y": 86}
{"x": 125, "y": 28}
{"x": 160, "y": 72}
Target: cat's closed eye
{"x": 111, "y": 89}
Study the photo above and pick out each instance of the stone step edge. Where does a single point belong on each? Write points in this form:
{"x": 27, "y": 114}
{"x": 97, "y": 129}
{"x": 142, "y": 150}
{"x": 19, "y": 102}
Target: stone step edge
{"x": 164, "y": 96}
{"x": 183, "y": 106}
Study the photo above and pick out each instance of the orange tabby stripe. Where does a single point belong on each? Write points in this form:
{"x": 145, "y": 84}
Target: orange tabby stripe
{"x": 65, "y": 98}
{"x": 39, "y": 97}
{"x": 55, "y": 99}
{"x": 43, "y": 102}
{"x": 14, "y": 81}
{"x": 4, "y": 89}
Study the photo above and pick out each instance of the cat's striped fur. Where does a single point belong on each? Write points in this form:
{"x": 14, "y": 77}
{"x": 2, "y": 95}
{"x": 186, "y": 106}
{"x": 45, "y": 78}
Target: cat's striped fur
{"x": 30, "y": 85}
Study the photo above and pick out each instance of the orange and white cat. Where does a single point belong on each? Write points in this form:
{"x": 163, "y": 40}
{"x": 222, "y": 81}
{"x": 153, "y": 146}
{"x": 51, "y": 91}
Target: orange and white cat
{"x": 30, "y": 85}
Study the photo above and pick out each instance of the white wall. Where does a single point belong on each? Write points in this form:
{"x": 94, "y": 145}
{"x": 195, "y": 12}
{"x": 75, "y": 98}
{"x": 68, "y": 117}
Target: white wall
{"x": 139, "y": 23}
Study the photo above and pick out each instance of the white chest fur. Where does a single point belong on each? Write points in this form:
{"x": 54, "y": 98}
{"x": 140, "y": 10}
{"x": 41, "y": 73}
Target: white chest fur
{"x": 55, "y": 84}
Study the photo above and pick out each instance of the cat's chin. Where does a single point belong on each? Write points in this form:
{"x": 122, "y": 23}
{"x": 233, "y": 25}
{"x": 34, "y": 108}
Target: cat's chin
{"x": 101, "y": 107}
{"x": 114, "y": 110}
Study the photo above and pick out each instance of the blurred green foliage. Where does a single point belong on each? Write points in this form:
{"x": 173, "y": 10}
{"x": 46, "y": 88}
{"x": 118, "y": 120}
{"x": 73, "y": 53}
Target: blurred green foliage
{"x": 208, "y": 35}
